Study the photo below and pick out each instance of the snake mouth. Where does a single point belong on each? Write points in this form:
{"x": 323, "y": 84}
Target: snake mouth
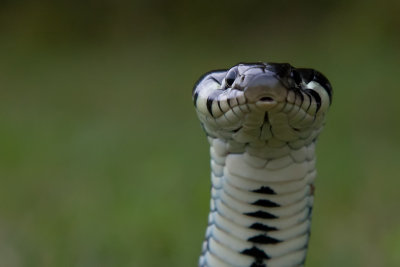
{"x": 266, "y": 102}
{"x": 267, "y": 99}
{"x": 265, "y": 90}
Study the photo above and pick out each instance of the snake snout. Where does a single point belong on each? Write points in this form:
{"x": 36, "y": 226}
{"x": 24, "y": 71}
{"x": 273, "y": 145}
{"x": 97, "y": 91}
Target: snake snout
{"x": 265, "y": 88}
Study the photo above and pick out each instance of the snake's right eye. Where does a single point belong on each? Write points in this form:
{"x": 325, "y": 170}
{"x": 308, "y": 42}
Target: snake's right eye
{"x": 230, "y": 77}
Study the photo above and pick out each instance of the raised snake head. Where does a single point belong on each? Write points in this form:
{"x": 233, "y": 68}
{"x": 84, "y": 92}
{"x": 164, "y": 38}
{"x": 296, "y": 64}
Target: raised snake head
{"x": 260, "y": 104}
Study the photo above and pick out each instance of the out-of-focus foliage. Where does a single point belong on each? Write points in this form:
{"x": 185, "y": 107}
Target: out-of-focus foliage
{"x": 103, "y": 162}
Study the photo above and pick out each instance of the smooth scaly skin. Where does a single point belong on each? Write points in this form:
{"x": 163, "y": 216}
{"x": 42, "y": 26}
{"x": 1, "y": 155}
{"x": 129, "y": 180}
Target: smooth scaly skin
{"x": 262, "y": 121}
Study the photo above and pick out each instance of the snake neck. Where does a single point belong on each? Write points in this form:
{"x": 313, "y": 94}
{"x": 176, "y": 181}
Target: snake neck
{"x": 261, "y": 203}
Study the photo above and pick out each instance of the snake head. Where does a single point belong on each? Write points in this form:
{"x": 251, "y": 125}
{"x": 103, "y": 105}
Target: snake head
{"x": 262, "y": 103}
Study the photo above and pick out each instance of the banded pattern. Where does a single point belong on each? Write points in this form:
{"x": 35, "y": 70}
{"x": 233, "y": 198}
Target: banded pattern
{"x": 262, "y": 121}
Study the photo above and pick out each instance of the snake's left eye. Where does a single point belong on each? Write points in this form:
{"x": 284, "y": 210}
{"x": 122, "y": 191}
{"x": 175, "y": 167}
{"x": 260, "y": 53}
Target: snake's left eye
{"x": 230, "y": 77}
{"x": 296, "y": 76}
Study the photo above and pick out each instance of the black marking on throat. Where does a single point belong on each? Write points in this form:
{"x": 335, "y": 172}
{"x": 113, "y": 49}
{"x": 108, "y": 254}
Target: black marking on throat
{"x": 209, "y": 105}
{"x": 264, "y": 189}
{"x": 256, "y": 253}
{"x": 229, "y": 102}
{"x": 219, "y": 106}
{"x": 211, "y": 98}
{"x": 310, "y": 100}
{"x": 266, "y": 117}
{"x": 262, "y": 227}
{"x": 265, "y": 203}
{"x": 316, "y": 97}
{"x": 261, "y": 214}
{"x": 258, "y": 264}
{"x": 237, "y": 129}
{"x": 299, "y": 94}
{"x": 263, "y": 239}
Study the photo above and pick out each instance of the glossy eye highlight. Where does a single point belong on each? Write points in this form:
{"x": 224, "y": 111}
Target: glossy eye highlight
{"x": 296, "y": 77}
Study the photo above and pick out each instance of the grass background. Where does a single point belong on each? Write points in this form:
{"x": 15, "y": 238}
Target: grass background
{"x": 103, "y": 162}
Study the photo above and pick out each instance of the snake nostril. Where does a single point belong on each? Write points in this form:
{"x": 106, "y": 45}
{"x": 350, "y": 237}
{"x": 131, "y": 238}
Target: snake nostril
{"x": 266, "y": 99}
{"x": 229, "y": 81}
{"x": 231, "y": 77}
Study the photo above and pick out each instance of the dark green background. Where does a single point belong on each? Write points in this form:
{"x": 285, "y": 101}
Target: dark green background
{"x": 102, "y": 159}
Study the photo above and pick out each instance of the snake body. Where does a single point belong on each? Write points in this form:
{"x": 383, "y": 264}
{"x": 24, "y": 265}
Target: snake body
{"x": 262, "y": 121}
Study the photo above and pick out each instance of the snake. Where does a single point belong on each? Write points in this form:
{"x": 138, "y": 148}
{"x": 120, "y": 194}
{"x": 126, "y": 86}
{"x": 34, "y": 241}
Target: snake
{"x": 262, "y": 121}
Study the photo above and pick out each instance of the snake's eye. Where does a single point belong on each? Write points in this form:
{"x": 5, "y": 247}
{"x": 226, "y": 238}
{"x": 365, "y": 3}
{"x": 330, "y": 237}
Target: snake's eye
{"x": 230, "y": 77}
{"x": 296, "y": 77}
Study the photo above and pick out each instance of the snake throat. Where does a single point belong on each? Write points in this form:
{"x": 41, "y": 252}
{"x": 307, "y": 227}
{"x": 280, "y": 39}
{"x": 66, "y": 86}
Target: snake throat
{"x": 262, "y": 121}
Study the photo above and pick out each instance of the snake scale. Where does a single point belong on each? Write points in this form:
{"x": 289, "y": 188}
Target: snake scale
{"x": 262, "y": 121}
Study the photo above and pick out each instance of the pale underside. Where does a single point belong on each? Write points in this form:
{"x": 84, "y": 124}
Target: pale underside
{"x": 258, "y": 206}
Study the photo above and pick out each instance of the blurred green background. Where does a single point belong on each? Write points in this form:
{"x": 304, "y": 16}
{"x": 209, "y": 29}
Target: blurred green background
{"x": 103, "y": 162}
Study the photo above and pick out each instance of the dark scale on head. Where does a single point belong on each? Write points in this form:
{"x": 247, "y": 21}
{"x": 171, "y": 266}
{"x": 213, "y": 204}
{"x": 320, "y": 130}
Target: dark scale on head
{"x": 215, "y": 80}
{"x": 296, "y": 77}
{"x": 306, "y": 74}
{"x": 309, "y": 75}
{"x": 280, "y": 69}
